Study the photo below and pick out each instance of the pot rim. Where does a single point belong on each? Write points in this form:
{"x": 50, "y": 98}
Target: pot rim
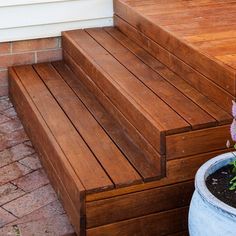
{"x": 201, "y": 188}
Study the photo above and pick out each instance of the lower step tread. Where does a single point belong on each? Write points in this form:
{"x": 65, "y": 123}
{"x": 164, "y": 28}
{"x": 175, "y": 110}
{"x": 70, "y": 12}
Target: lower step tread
{"x": 85, "y": 138}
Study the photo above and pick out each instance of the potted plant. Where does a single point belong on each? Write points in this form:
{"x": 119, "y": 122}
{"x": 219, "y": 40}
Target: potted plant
{"x": 213, "y": 205}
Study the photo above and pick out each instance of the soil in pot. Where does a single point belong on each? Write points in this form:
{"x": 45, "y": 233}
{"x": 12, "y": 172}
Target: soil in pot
{"x": 218, "y": 184}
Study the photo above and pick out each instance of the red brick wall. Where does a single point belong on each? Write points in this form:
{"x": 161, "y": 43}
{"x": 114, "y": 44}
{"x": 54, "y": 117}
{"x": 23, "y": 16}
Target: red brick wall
{"x": 26, "y": 52}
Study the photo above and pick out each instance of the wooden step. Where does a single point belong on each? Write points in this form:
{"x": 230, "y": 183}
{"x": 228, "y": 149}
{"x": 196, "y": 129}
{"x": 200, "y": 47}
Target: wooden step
{"x": 162, "y": 106}
{"x": 85, "y": 151}
{"x": 120, "y": 135}
{"x": 195, "y": 40}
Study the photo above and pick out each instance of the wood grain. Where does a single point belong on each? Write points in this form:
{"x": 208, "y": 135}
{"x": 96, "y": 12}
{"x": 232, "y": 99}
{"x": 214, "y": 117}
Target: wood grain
{"x": 158, "y": 224}
{"x": 118, "y": 167}
{"x": 133, "y": 205}
{"x": 154, "y": 27}
{"x": 195, "y": 142}
{"x": 200, "y": 82}
{"x": 147, "y": 162}
{"x": 76, "y": 151}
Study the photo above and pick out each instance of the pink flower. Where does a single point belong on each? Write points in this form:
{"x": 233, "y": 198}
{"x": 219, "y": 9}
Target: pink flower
{"x": 233, "y": 130}
{"x": 234, "y": 109}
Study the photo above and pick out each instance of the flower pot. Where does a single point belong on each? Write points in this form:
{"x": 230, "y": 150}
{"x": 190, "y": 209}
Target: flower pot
{"x": 208, "y": 215}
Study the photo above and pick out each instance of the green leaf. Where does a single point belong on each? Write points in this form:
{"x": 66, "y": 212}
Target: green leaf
{"x": 232, "y": 180}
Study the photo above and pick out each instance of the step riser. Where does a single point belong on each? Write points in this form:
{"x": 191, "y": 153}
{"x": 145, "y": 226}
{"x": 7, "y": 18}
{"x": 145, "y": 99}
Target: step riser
{"x": 164, "y": 223}
{"x": 204, "y": 73}
{"x": 137, "y": 119}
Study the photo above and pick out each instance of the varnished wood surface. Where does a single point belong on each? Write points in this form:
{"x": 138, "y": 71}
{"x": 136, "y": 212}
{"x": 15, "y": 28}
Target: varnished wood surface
{"x": 129, "y": 76}
{"x": 193, "y": 77}
{"x": 164, "y": 223}
{"x": 97, "y": 148}
{"x": 201, "y": 33}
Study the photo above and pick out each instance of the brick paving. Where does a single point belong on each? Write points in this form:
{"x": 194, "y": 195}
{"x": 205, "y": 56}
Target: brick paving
{"x": 28, "y": 204}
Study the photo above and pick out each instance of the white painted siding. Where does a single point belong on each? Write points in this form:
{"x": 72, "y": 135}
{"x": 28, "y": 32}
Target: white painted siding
{"x": 28, "y": 19}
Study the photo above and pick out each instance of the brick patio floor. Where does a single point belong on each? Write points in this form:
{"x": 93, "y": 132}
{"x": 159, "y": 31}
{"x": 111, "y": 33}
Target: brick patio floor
{"x": 28, "y": 203}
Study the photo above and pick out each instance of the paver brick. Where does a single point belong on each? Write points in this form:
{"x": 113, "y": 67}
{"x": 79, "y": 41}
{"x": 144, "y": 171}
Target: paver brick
{"x": 9, "y": 192}
{"x": 5, "y": 217}
{"x": 10, "y": 126}
{"x": 32, "y": 181}
{"x": 32, "y": 162}
{"x": 12, "y": 172}
{"x": 31, "y": 201}
{"x": 12, "y": 139}
{"x": 56, "y": 226}
{"x": 48, "y": 211}
{"x": 10, "y": 113}
{"x": 15, "y": 153}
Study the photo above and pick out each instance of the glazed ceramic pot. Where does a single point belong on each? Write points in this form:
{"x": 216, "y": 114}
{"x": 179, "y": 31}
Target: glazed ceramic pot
{"x": 208, "y": 215}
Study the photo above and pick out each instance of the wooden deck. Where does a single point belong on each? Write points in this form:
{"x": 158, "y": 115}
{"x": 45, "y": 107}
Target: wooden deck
{"x": 195, "y": 39}
{"x": 124, "y": 122}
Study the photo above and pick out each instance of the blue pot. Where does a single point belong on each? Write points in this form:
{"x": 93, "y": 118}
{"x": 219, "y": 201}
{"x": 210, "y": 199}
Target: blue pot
{"x": 208, "y": 216}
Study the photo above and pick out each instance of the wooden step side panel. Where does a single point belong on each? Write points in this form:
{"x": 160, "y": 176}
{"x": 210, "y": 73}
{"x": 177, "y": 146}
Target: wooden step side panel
{"x": 67, "y": 184}
{"x": 154, "y": 28}
{"x": 195, "y": 78}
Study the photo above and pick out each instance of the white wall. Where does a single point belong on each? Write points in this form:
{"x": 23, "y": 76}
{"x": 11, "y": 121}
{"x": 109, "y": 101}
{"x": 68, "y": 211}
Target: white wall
{"x": 28, "y": 19}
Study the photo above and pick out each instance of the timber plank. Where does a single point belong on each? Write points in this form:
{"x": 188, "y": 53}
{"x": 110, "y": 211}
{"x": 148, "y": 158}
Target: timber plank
{"x": 133, "y": 205}
{"x": 149, "y": 166}
{"x": 158, "y": 224}
{"x": 174, "y": 174}
{"x": 221, "y": 97}
{"x": 197, "y": 142}
{"x": 202, "y": 101}
{"x": 190, "y": 112}
{"x": 132, "y": 90}
{"x": 113, "y": 161}
{"x": 84, "y": 163}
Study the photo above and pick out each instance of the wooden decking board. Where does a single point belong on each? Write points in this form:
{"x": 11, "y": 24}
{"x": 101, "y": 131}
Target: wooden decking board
{"x": 135, "y": 226}
{"x": 156, "y": 200}
{"x": 153, "y": 27}
{"x": 197, "y": 142}
{"x": 109, "y": 156}
{"x": 154, "y": 137}
{"x": 202, "y": 101}
{"x": 129, "y": 84}
{"x": 78, "y": 154}
{"x": 188, "y": 110}
{"x": 129, "y": 109}
{"x": 147, "y": 165}
{"x": 174, "y": 174}
{"x": 191, "y": 76}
